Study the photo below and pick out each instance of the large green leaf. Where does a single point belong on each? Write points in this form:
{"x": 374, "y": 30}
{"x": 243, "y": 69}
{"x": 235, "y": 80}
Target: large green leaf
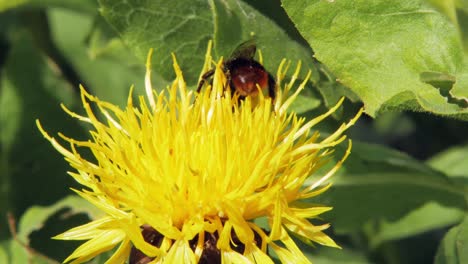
{"x": 40, "y": 223}
{"x": 35, "y": 217}
{"x": 32, "y": 242}
{"x": 429, "y": 217}
{"x": 452, "y": 161}
{"x": 108, "y": 77}
{"x": 454, "y": 246}
{"x": 184, "y": 27}
{"x": 88, "y": 6}
{"x": 324, "y": 255}
{"x": 381, "y": 184}
{"x": 462, "y": 18}
{"x": 447, "y": 7}
{"x": 16, "y": 252}
{"x": 393, "y": 54}
{"x": 30, "y": 89}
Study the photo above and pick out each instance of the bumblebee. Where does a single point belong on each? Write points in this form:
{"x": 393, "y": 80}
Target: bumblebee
{"x": 244, "y": 73}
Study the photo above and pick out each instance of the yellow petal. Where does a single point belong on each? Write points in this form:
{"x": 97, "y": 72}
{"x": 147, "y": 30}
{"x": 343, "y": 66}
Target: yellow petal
{"x": 103, "y": 242}
{"x": 181, "y": 252}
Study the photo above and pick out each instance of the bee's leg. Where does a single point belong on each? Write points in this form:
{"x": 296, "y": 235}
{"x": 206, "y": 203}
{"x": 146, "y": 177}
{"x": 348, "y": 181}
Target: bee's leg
{"x": 229, "y": 82}
{"x": 204, "y": 78}
{"x": 231, "y": 86}
{"x": 271, "y": 87}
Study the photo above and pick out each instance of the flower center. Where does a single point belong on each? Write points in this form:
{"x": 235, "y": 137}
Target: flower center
{"x": 210, "y": 255}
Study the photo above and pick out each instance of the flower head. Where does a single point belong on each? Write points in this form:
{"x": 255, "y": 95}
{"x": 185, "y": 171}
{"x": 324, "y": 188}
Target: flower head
{"x": 183, "y": 177}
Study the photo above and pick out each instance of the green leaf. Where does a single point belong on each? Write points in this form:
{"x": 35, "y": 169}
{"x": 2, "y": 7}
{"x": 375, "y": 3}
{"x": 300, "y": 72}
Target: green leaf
{"x": 381, "y": 184}
{"x": 381, "y": 50}
{"x": 304, "y": 103}
{"x": 12, "y": 251}
{"x": 40, "y": 223}
{"x": 108, "y": 77}
{"x": 454, "y": 246}
{"x": 429, "y": 217}
{"x": 184, "y": 27}
{"x": 103, "y": 41}
{"x": 35, "y": 217}
{"x": 236, "y": 22}
{"x": 459, "y": 93}
{"x": 452, "y": 162}
{"x": 88, "y": 6}
{"x": 446, "y": 7}
{"x": 324, "y": 255}
{"x": 33, "y": 172}
{"x": 3, "y": 254}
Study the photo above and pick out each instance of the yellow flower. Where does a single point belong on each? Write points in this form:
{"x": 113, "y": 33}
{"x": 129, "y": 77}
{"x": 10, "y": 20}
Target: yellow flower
{"x": 182, "y": 177}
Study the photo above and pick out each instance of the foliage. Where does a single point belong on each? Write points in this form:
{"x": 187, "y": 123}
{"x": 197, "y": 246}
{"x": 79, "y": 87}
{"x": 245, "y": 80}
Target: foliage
{"x": 400, "y": 197}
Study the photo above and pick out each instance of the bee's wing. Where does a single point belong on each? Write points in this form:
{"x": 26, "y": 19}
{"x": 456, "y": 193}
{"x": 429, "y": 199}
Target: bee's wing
{"x": 245, "y": 50}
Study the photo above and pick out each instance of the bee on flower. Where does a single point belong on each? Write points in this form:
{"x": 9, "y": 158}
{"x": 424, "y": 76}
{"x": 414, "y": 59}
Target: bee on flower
{"x": 182, "y": 177}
